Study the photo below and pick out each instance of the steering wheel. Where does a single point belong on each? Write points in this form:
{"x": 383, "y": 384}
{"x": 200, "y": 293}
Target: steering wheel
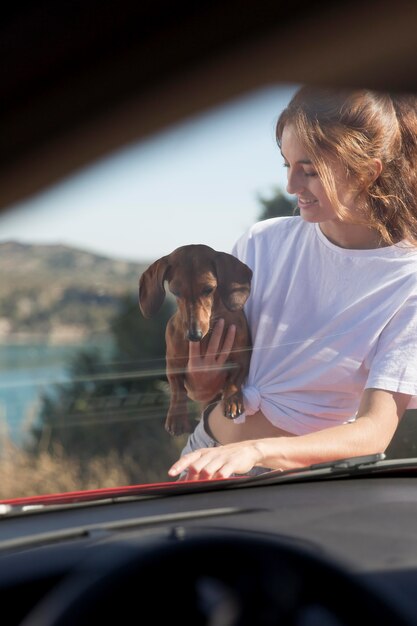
{"x": 212, "y": 579}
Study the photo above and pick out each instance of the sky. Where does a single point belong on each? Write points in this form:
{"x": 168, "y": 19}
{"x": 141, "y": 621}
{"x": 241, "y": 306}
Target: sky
{"x": 197, "y": 182}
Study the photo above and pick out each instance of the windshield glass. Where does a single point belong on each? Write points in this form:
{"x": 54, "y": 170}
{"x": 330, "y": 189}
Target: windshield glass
{"x": 84, "y": 387}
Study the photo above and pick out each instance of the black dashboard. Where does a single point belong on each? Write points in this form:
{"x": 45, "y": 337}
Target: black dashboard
{"x": 332, "y": 552}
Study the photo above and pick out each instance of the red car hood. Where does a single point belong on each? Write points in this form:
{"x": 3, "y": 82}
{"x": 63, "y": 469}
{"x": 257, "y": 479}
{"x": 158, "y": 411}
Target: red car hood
{"x": 72, "y": 497}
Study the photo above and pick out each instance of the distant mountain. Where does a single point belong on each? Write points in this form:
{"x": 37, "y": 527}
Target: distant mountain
{"x": 60, "y": 292}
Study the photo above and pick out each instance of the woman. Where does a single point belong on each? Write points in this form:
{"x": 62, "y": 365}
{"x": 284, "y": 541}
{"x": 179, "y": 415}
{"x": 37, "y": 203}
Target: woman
{"x": 333, "y": 306}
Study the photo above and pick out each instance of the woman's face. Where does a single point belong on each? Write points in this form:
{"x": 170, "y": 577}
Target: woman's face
{"x": 304, "y": 182}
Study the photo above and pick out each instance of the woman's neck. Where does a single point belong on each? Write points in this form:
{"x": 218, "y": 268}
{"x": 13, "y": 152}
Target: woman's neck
{"x": 351, "y": 236}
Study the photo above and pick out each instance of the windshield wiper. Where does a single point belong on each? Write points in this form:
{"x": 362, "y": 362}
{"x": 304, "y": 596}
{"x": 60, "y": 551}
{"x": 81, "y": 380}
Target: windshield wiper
{"x": 352, "y": 463}
{"x": 358, "y": 465}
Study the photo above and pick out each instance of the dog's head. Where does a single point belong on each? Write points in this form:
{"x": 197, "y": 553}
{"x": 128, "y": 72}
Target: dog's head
{"x": 197, "y": 275}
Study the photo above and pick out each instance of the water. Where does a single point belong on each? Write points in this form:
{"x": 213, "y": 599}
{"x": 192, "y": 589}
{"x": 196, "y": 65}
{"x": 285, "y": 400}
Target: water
{"x": 26, "y": 372}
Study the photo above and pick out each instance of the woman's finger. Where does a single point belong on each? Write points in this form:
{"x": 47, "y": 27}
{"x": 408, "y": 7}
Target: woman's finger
{"x": 227, "y": 344}
{"x": 194, "y": 353}
{"x": 215, "y": 339}
{"x": 183, "y": 463}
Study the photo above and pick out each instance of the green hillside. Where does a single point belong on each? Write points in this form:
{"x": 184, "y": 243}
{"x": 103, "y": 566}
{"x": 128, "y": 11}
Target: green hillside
{"x": 60, "y": 292}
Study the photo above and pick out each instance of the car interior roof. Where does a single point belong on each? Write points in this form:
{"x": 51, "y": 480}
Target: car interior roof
{"x": 85, "y": 77}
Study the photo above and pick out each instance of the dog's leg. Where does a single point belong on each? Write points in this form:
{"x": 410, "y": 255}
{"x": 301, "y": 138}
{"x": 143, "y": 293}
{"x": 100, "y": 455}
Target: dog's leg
{"x": 232, "y": 394}
{"x": 177, "y": 421}
{"x": 233, "y": 401}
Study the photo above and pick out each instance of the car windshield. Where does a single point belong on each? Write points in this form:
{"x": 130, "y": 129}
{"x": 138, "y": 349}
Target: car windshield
{"x": 84, "y": 393}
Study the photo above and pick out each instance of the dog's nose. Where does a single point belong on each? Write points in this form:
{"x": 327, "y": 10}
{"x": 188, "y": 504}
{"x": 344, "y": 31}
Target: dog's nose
{"x": 195, "y": 335}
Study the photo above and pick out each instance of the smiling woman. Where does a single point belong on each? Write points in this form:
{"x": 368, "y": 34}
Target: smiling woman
{"x": 367, "y": 177}
{"x": 315, "y": 202}
{"x": 334, "y": 319}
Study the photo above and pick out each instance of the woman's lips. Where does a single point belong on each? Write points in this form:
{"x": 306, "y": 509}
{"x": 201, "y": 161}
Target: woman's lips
{"x": 305, "y": 204}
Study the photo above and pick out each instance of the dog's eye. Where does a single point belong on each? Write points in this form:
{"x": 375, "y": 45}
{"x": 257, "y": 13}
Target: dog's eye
{"x": 207, "y": 291}
{"x": 176, "y": 294}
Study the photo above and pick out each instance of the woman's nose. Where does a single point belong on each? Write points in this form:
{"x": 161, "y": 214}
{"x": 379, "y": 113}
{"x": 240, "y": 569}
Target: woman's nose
{"x": 294, "y": 182}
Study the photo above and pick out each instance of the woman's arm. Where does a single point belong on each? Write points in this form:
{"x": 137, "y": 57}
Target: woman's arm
{"x": 378, "y": 417}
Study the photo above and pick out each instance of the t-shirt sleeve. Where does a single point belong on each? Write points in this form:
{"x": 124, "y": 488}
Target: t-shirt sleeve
{"x": 243, "y": 249}
{"x": 394, "y": 366}
{"x": 239, "y": 248}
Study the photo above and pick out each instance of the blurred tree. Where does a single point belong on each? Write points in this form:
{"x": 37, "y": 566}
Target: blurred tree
{"x": 139, "y": 339}
{"x": 278, "y": 205}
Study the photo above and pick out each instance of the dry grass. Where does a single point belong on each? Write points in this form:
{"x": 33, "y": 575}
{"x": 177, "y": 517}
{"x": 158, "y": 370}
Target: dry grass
{"x": 24, "y": 474}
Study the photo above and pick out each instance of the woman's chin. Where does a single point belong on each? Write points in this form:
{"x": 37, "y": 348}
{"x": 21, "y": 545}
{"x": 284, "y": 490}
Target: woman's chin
{"x": 309, "y": 214}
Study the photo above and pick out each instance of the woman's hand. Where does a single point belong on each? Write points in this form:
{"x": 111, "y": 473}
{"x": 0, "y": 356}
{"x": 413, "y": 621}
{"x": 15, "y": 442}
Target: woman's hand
{"x": 218, "y": 462}
{"x": 206, "y": 374}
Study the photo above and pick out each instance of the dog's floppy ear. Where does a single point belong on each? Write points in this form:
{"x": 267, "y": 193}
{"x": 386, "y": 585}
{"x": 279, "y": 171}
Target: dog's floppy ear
{"x": 151, "y": 287}
{"x": 233, "y": 280}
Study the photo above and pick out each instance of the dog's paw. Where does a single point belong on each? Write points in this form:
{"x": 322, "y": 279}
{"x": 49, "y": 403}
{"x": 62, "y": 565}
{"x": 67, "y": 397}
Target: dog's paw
{"x": 176, "y": 427}
{"x": 233, "y": 405}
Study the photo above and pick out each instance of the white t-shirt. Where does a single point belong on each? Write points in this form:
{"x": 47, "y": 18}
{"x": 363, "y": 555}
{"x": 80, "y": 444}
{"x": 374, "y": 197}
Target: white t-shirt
{"x": 326, "y": 323}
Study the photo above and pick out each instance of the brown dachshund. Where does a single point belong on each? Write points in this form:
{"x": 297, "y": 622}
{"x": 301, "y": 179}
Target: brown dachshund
{"x": 208, "y": 285}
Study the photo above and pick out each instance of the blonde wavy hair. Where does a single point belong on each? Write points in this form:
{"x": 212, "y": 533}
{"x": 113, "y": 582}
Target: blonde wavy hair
{"x": 355, "y": 127}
